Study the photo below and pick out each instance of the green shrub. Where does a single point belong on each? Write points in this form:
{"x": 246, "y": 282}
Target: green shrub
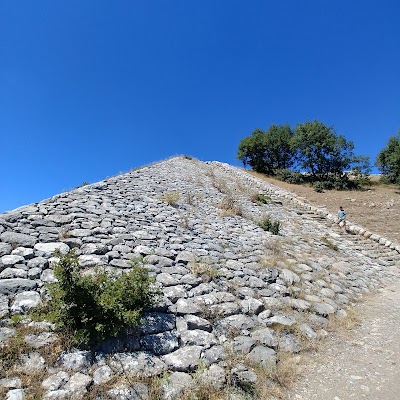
{"x": 260, "y": 199}
{"x": 94, "y": 307}
{"x": 269, "y": 225}
{"x": 319, "y": 186}
{"x": 286, "y": 175}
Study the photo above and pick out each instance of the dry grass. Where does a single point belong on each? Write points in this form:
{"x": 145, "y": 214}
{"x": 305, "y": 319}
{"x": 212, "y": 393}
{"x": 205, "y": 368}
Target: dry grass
{"x": 344, "y": 325}
{"x": 377, "y": 208}
{"x": 229, "y": 206}
{"x": 204, "y": 270}
{"x": 171, "y": 198}
{"x": 16, "y": 347}
{"x": 327, "y": 242}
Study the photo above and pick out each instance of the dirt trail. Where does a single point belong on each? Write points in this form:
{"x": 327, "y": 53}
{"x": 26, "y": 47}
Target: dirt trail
{"x": 362, "y": 364}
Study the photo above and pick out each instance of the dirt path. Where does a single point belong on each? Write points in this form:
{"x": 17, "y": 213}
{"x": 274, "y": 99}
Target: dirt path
{"x": 362, "y": 364}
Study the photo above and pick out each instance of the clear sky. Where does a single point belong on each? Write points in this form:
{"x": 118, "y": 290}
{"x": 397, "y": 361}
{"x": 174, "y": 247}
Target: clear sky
{"x": 89, "y": 89}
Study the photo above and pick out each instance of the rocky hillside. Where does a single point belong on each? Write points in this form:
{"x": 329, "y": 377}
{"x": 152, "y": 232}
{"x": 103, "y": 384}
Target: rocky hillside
{"x": 235, "y": 296}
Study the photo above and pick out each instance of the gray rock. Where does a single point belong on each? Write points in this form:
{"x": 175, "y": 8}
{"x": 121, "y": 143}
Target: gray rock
{"x": 60, "y": 219}
{"x": 55, "y": 381}
{"x": 80, "y": 233}
{"x": 5, "y": 248}
{"x": 38, "y": 262}
{"x": 214, "y": 377}
{"x": 11, "y": 383}
{"x": 215, "y": 354}
{"x": 24, "y": 252}
{"x": 16, "y": 285}
{"x": 243, "y": 377}
{"x": 92, "y": 260}
{"x": 160, "y": 343}
{"x": 137, "y": 364}
{"x": 11, "y": 260}
{"x": 94, "y": 248}
{"x": 184, "y": 359}
{"x": 15, "y": 394}
{"x": 6, "y": 333}
{"x": 251, "y": 306}
{"x": 174, "y": 293}
{"x": 243, "y": 344}
{"x": 76, "y": 361}
{"x": 184, "y": 306}
{"x": 265, "y": 336}
{"x": 197, "y": 337}
{"x": 30, "y": 363}
{"x": 3, "y": 306}
{"x": 323, "y": 308}
{"x": 48, "y": 249}
{"x": 234, "y": 323}
{"x": 135, "y": 391}
{"x": 13, "y": 273}
{"x": 77, "y": 385}
{"x": 102, "y": 375}
{"x": 42, "y": 339}
{"x": 18, "y": 239}
{"x": 289, "y": 276}
{"x": 166, "y": 279}
{"x": 120, "y": 263}
{"x": 185, "y": 257}
{"x": 263, "y": 356}
{"x": 156, "y": 323}
{"x": 195, "y": 322}
{"x": 176, "y": 384}
{"x": 48, "y": 276}
{"x": 25, "y": 301}
{"x": 289, "y": 343}
{"x": 285, "y": 320}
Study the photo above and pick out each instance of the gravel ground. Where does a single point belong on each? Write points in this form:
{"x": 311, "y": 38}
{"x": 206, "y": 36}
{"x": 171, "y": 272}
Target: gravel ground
{"x": 362, "y": 364}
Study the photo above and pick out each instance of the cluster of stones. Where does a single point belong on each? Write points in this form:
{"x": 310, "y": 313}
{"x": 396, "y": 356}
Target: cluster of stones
{"x": 227, "y": 284}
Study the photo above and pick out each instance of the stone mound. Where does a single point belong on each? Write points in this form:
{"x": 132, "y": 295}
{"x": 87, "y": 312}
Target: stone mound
{"x": 231, "y": 290}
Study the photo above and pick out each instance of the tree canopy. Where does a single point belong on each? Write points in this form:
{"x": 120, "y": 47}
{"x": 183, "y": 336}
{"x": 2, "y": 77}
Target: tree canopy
{"x": 322, "y": 151}
{"x": 268, "y": 151}
{"x": 312, "y": 148}
{"x": 388, "y": 160}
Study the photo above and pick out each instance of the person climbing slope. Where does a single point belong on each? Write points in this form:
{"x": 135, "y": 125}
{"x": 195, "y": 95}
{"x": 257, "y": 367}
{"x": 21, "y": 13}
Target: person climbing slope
{"x": 341, "y": 221}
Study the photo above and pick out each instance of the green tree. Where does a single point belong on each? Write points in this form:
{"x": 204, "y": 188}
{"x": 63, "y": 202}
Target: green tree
{"x": 322, "y": 152}
{"x": 388, "y": 160}
{"x": 268, "y": 151}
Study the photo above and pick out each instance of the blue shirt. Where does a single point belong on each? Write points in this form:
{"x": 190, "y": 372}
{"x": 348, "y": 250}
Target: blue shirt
{"x": 341, "y": 214}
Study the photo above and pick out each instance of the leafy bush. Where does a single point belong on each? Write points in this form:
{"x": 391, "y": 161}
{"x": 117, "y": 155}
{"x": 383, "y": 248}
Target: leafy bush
{"x": 269, "y": 225}
{"x": 286, "y": 175}
{"x": 94, "y": 307}
{"x": 319, "y": 186}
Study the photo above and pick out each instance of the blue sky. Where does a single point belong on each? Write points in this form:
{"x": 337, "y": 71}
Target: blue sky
{"x": 92, "y": 88}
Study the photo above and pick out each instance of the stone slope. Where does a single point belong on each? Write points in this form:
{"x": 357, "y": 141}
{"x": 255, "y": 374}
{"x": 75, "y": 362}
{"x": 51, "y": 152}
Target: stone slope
{"x": 229, "y": 286}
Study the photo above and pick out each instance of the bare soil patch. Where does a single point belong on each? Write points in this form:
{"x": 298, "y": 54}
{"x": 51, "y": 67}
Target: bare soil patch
{"x": 376, "y": 208}
{"x": 362, "y": 363}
